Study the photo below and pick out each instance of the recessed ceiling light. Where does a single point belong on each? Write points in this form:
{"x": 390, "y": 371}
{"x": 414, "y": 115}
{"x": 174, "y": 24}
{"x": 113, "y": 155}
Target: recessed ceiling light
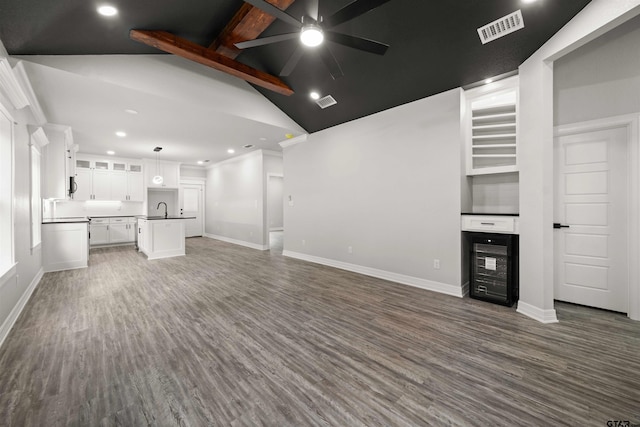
{"x": 111, "y": 153}
{"x": 130, "y": 111}
{"x": 121, "y": 134}
{"x": 231, "y": 151}
{"x": 107, "y": 10}
{"x": 263, "y": 139}
{"x": 487, "y": 81}
{"x": 311, "y": 35}
{"x": 314, "y": 95}
{"x": 200, "y": 162}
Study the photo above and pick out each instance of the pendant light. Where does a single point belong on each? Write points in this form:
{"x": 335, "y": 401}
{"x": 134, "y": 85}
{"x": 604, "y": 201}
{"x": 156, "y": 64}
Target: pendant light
{"x": 157, "y": 179}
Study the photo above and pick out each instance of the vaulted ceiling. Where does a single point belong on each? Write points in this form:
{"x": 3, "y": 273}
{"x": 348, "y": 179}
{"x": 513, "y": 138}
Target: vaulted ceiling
{"x": 434, "y": 45}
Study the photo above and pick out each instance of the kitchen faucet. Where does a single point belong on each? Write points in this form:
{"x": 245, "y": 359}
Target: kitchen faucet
{"x": 165, "y": 208}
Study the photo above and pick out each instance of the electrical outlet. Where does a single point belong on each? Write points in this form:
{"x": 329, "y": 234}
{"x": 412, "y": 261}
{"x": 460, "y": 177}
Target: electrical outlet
{"x": 436, "y": 264}
{"x": 350, "y": 249}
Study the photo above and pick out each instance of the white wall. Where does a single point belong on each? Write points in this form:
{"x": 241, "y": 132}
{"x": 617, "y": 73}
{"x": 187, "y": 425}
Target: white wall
{"x": 389, "y": 186}
{"x": 15, "y": 291}
{"x": 91, "y": 208}
{"x": 234, "y": 200}
{"x": 275, "y": 214}
{"x": 192, "y": 172}
{"x": 536, "y": 149}
{"x": 496, "y": 193}
{"x": 600, "y": 79}
{"x": 157, "y": 195}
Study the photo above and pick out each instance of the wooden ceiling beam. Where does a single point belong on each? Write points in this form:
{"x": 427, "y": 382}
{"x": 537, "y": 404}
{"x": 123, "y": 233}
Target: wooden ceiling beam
{"x": 247, "y": 24}
{"x": 170, "y": 43}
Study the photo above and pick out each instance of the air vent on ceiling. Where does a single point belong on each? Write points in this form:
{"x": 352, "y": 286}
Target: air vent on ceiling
{"x": 501, "y": 27}
{"x": 248, "y": 146}
{"x": 326, "y": 101}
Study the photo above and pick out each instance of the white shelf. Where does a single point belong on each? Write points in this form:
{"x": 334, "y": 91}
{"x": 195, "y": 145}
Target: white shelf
{"x": 495, "y": 146}
{"x": 497, "y": 156}
{"x": 494, "y": 136}
{"x": 492, "y": 129}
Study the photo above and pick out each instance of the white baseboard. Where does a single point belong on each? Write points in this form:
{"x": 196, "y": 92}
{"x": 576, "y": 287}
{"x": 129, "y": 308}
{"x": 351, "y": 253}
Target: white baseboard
{"x": 417, "y": 282}
{"x": 238, "y": 242}
{"x": 17, "y": 309}
{"x": 543, "y": 316}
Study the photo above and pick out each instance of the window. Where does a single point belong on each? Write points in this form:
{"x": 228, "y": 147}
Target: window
{"x": 38, "y": 140}
{"x": 6, "y": 192}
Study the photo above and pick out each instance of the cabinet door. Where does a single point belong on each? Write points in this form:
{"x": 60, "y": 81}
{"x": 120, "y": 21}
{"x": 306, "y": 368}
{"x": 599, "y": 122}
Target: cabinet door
{"x": 84, "y": 182}
{"x": 99, "y": 234}
{"x": 119, "y": 185}
{"x": 131, "y": 232}
{"x": 118, "y": 233}
{"x": 171, "y": 175}
{"x": 101, "y": 184}
{"x": 135, "y": 186}
{"x": 142, "y": 235}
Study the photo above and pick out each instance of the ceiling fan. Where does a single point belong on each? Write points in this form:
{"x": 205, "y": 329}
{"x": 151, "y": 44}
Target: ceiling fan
{"x": 315, "y": 29}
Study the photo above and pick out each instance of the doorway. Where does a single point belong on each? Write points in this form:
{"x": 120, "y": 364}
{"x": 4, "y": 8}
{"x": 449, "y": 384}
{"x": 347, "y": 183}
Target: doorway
{"x": 275, "y": 211}
{"x": 192, "y": 205}
{"x": 593, "y": 212}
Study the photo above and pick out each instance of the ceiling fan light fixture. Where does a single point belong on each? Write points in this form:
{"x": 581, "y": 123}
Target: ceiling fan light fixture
{"x": 311, "y": 35}
{"x": 106, "y": 10}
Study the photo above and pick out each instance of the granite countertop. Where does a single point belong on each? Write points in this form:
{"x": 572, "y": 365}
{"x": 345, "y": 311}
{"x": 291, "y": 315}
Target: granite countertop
{"x": 490, "y": 214}
{"x": 65, "y": 220}
{"x": 162, "y": 217}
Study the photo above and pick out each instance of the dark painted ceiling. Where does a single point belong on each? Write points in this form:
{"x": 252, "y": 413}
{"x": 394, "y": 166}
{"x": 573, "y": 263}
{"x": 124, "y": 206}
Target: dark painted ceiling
{"x": 434, "y": 44}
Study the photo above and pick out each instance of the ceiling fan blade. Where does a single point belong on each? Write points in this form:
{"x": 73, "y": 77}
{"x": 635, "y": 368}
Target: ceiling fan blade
{"x": 351, "y": 11}
{"x": 331, "y": 62}
{"x": 360, "y": 43}
{"x": 274, "y": 11}
{"x": 266, "y": 40}
{"x": 292, "y": 61}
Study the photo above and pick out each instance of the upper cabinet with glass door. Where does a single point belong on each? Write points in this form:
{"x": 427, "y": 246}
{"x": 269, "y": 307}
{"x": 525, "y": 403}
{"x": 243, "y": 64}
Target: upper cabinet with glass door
{"x": 491, "y": 126}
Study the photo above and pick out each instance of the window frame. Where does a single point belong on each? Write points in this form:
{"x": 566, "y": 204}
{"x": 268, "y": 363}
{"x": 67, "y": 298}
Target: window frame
{"x": 7, "y": 189}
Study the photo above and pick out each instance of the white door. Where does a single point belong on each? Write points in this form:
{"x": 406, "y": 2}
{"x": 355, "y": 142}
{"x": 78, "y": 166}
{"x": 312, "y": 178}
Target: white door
{"x": 591, "y": 254}
{"x": 191, "y": 205}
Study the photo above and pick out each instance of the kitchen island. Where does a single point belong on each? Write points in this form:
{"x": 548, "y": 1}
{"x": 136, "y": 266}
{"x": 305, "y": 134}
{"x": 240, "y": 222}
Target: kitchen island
{"x": 65, "y": 243}
{"x": 161, "y": 236}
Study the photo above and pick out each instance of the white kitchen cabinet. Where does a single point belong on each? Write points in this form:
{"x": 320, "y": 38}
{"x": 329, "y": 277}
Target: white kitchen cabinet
{"x": 142, "y": 235}
{"x": 119, "y": 189}
{"x": 107, "y": 231}
{"x": 55, "y": 162}
{"x": 99, "y": 232}
{"x": 492, "y": 127}
{"x": 84, "y": 184}
{"x": 170, "y": 172}
{"x": 135, "y": 186}
{"x": 101, "y": 184}
{"x": 64, "y": 246}
{"x": 118, "y": 180}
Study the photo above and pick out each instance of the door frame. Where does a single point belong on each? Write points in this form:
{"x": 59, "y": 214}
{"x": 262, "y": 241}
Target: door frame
{"x": 631, "y": 123}
{"x": 267, "y": 229}
{"x": 203, "y": 183}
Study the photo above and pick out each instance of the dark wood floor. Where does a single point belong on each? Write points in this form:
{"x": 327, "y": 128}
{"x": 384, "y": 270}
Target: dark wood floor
{"x": 234, "y": 336}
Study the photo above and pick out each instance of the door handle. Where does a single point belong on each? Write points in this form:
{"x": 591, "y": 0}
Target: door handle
{"x": 558, "y": 225}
